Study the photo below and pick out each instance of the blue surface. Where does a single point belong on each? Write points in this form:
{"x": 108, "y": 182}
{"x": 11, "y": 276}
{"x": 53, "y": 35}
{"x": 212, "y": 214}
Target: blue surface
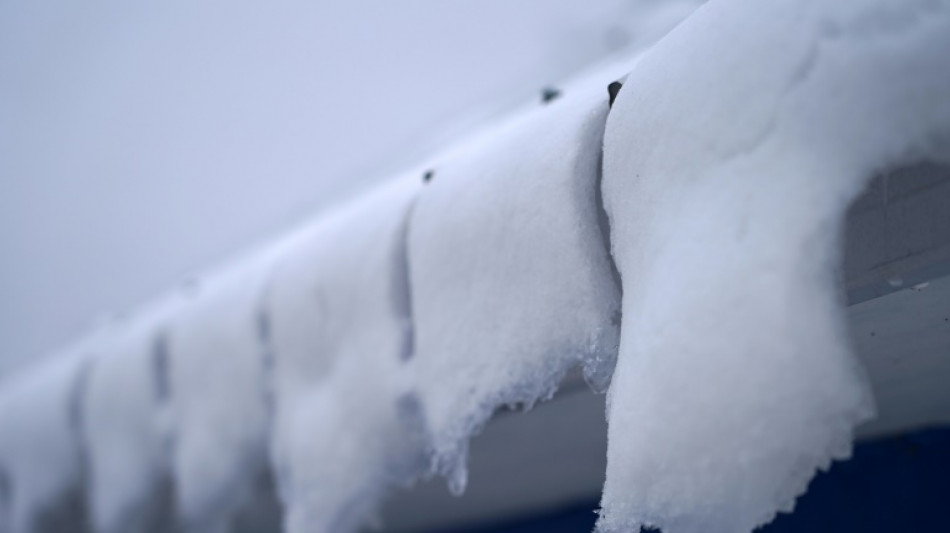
{"x": 895, "y": 485}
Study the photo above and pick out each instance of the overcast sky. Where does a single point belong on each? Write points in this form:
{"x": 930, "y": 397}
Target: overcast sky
{"x": 141, "y": 142}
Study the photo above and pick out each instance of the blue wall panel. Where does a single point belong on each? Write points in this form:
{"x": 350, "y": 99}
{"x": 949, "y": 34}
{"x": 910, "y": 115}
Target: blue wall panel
{"x": 894, "y": 485}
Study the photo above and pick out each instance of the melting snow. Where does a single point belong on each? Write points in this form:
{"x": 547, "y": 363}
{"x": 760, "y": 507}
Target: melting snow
{"x": 731, "y": 156}
{"x": 346, "y": 422}
{"x": 365, "y": 349}
{"x": 511, "y": 279}
{"x": 40, "y": 450}
{"x": 218, "y": 411}
{"x": 126, "y": 425}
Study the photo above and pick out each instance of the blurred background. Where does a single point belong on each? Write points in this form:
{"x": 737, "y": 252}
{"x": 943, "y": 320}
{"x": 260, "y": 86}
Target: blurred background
{"x": 142, "y": 142}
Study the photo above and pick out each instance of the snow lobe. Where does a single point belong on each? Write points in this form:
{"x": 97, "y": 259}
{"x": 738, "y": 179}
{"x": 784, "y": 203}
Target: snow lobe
{"x": 511, "y": 279}
{"x": 126, "y": 426}
{"x": 40, "y": 451}
{"x": 345, "y": 423}
{"x": 218, "y": 411}
{"x": 731, "y": 156}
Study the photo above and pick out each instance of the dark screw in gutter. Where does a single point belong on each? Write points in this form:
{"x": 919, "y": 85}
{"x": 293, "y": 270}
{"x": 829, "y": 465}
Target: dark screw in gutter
{"x": 613, "y": 90}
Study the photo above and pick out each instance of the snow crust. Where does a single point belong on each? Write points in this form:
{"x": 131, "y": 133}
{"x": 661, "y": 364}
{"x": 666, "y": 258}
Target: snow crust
{"x": 40, "y": 454}
{"x": 511, "y": 279}
{"x": 126, "y": 424}
{"x": 731, "y": 156}
{"x": 346, "y": 424}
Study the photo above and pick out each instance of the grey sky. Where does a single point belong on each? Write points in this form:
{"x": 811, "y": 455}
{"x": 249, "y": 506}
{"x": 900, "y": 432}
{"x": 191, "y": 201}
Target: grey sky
{"x": 142, "y": 142}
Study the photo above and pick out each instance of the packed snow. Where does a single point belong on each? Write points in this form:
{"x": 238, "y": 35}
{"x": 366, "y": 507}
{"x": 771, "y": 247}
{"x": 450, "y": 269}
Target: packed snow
{"x": 126, "y": 424}
{"x": 731, "y": 156}
{"x": 40, "y": 446}
{"x": 511, "y": 279}
{"x": 363, "y": 350}
{"x": 218, "y": 411}
{"x": 346, "y": 423}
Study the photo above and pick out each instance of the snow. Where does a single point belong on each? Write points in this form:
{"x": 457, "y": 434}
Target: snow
{"x": 40, "y": 456}
{"x": 346, "y": 424}
{"x": 366, "y": 348}
{"x": 511, "y": 278}
{"x": 731, "y": 156}
{"x": 126, "y": 424}
{"x": 218, "y": 411}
